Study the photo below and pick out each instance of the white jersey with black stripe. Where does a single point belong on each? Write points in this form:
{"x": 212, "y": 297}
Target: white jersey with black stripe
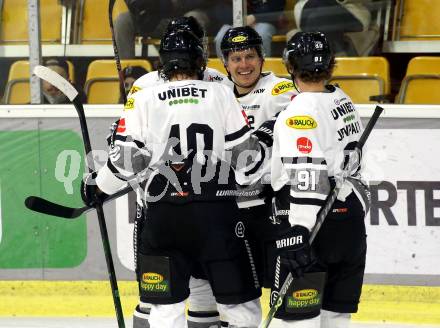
{"x": 312, "y": 139}
{"x": 270, "y": 95}
{"x": 199, "y": 115}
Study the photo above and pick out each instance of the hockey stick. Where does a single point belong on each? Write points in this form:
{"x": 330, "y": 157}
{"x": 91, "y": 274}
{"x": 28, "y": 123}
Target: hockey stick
{"x": 111, "y": 4}
{"x": 65, "y": 87}
{"x": 41, "y": 205}
{"x": 325, "y": 209}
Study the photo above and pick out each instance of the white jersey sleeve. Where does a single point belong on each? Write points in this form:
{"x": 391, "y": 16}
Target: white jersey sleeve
{"x": 128, "y": 154}
{"x": 147, "y": 80}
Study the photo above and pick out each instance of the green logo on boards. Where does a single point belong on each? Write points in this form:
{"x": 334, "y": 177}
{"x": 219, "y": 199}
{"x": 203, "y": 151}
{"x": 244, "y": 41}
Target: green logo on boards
{"x": 31, "y": 165}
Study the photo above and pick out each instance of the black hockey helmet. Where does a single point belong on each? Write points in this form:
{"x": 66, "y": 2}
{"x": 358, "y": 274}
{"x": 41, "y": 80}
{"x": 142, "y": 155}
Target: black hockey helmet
{"x": 181, "y": 50}
{"x": 240, "y": 38}
{"x": 186, "y": 23}
{"x": 309, "y": 52}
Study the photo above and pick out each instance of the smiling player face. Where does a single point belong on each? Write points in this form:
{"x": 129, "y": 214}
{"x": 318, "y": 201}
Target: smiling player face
{"x": 245, "y": 68}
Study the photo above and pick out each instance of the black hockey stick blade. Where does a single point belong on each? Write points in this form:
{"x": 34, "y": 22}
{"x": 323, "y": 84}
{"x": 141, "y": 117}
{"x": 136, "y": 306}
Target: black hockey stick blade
{"x": 44, "y": 206}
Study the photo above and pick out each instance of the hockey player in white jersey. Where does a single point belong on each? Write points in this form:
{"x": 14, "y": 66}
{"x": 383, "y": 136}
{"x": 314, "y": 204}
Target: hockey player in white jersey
{"x": 187, "y": 132}
{"x": 312, "y": 140}
{"x": 188, "y": 24}
{"x": 262, "y": 95}
{"x": 202, "y": 310}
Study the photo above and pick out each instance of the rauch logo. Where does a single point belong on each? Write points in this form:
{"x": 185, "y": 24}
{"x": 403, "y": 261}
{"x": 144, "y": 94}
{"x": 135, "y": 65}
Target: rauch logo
{"x": 282, "y": 87}
{"x": 301, "y": 122}
{"x": 152, "y": 278}
{"x": 305, "y": 294}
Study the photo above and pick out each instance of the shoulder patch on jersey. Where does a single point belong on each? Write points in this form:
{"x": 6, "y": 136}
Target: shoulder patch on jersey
{"x": 214, "y": 78}
{"x": 129, "y": 105}
{"x": 121, "y": 126}
{"x": 282, "y": 87}
{"x": 133, "y": 90}
{"x": 301, "y": 122}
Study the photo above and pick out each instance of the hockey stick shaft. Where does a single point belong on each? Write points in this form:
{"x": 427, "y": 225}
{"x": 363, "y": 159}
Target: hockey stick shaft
{"x": 111, "y": 4}
{"x": 58, "y": 81}
{"x": 101, "y": 220}
{"x": 323, "y": 212}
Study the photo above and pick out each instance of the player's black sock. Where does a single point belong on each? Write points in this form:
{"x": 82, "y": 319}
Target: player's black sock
{"x": 203, "y": 319}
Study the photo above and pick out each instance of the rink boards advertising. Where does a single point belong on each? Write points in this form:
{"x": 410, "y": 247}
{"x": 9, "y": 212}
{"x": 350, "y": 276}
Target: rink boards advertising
{"x": 41, "y": 154}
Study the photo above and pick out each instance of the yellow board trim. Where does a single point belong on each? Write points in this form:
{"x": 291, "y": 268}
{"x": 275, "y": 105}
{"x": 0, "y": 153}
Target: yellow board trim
{"x": 379, "y": 303}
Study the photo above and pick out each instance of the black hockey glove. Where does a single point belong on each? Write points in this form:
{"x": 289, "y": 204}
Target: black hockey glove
{"x": 265, "y": 132}
{"x": 294, "y": 250}
{"x": 90, "y": 193}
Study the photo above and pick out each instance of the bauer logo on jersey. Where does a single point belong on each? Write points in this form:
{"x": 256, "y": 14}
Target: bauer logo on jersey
{"x": 301, "y": 122}
{"x": 304, "y": 145}
{"x": 239, "y": 38}
{"x": 152, "y": 278}
{"x": 282, "y": 87}
{"x": 129, "y": 105}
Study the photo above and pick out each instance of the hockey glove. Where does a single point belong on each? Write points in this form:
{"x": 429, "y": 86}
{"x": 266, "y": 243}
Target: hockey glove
{"x": 294, "y": 250}
{"x": 265, "y": 132}
{"x": 90, "y": 193}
